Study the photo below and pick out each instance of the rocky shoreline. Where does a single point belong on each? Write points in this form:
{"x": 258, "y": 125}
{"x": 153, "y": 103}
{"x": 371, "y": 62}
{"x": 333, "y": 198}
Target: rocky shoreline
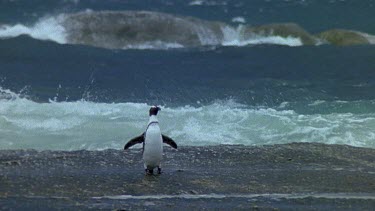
{"x": 290, "y": 176}
{"x": 128, "y": 29}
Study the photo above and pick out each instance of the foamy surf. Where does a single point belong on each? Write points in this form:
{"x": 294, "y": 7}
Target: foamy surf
{"x": 158, "y": 45}
{"x": 48, "y": 28}
{"x": 238, "y": 37}
{"x": 76, "y": 125}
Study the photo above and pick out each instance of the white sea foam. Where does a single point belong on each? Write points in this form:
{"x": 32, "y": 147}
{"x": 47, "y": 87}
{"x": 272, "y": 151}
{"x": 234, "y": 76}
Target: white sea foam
{"x": 238, "y": 20}
{"x": 153, "y": 45}
{"x": 275, "y": 40}
{"x": 207, "y": 3}
{"x": 95, "y": 126}
{"x": 196, "y": 2}
{"x": 236, "y": 37}
{"x": 45, "y": 29}
{"x": 369, "y": 37}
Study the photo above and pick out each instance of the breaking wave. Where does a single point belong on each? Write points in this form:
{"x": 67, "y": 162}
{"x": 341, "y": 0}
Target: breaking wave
{"x": 153, "y": 30}
{"x": 50, "y": 28}
{"x": 235, "y": 37}
{"x": 95, "y": 126}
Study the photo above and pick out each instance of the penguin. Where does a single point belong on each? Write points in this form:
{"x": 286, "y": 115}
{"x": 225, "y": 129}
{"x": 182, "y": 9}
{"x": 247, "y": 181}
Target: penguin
{"x": 152, "y": 140}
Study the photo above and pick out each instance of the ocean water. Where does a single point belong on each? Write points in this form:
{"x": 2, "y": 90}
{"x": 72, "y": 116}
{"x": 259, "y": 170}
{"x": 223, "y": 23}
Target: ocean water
{"x": 83, "y": 74}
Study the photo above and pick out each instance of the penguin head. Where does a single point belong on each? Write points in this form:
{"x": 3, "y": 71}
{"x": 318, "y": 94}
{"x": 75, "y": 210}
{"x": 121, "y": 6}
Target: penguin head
{"x": 154, "y": 110}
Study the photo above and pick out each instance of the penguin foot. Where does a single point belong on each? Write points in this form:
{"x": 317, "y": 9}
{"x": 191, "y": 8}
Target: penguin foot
{"x": 149, "y": 171}
{"x": 159, "y": 170}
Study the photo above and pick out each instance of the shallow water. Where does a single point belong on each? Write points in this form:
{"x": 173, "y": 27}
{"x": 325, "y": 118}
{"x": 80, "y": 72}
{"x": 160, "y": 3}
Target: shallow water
{"x": 231, "y": 79}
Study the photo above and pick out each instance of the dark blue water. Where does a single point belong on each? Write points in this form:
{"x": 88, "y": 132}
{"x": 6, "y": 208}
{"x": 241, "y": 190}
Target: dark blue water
{"x": 256, "y": 75}
{"x": 59, "y": 91}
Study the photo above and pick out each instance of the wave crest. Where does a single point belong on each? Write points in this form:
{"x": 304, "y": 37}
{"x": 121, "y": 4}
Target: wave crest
{"x": 45, "y": 29}
{"x": 75, "y": 125}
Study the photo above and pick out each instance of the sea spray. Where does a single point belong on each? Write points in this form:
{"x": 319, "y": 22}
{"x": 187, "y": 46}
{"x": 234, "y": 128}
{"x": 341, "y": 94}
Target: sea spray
{"x": 238, "y": 37}
{"x": 97, "y": 126}
{"x": 47, "y": 28}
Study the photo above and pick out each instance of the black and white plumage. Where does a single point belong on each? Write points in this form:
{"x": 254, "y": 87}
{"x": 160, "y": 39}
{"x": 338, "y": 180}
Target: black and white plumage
{"x": 152, "y": 140}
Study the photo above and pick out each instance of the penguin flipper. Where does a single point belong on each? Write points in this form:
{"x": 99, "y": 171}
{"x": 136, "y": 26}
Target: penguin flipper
{"x": 134, "y": 141}
{"x": 169, "y": 141}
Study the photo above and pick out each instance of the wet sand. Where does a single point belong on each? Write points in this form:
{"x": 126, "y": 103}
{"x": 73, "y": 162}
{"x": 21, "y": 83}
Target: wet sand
{"x": 299, "y": 176}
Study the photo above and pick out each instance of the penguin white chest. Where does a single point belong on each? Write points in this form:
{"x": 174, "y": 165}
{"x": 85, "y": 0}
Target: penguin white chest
{"x": 153, "y": 146}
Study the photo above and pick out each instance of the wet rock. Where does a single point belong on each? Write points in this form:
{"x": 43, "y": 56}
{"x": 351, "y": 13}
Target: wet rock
{"x": 193, "y": 192}
{"x": 131, "y": 28}
{"x": 343, "y": 37}
{"x": 236, "y": 170}
{"x": 12, "y": 162}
